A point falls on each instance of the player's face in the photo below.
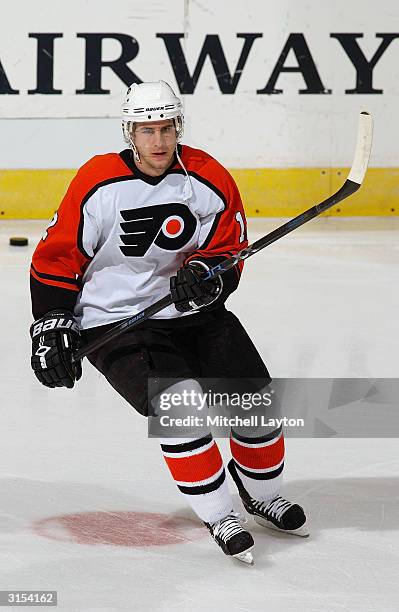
(155, 142)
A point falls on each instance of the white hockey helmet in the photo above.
(154, 101)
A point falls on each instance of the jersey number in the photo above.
(241, 223)
(51, 224)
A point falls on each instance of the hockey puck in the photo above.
(18, 241)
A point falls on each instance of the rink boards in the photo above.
(266, 192)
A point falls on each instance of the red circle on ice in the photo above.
(134, 529)
(173, 226)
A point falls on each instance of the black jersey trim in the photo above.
(46, 297)
(127, 157)
(61, 279)
(212, 231)
(201, 489)
(211, 186)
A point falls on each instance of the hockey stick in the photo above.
(352, 184)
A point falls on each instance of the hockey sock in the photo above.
(197, 468)
(259, 462)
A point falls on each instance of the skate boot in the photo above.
(277, 513)
(232, 538)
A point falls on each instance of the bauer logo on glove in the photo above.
(45, 324)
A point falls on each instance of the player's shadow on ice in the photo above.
(359, 503)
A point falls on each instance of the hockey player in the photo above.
(131, 227)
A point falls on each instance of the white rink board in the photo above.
(244, 129)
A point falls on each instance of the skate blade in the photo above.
(302, 532)
(245, 557)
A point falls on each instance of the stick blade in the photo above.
(363, 148)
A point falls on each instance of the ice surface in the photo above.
(87, 506)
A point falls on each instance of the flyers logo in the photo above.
(169, 226)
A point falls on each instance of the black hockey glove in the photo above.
(189, 291)
(55, 337)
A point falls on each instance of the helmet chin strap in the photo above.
(134, 149)
(187, 189)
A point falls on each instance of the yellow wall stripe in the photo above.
(286, 192)
(32, 194)
(266, 192)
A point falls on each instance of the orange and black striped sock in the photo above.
(259, 462)
(197, 468)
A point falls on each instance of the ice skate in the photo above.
(232, 538)
(278, 513)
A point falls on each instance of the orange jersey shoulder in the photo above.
(96, 171)
(201, 163)
(60, 258)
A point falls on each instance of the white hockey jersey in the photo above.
(119, 235)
